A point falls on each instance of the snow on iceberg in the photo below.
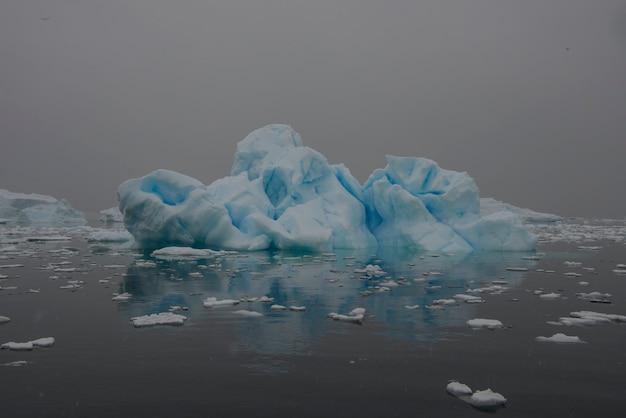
(282, 194)
(38, 210)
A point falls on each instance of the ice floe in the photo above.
(487, 399)
(357, 316)
(477, 323)
(163, 318)
(560, 338)
(213, 302)
(45, 342)
(248, 313)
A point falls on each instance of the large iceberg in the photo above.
(37, 210)
(282, 194)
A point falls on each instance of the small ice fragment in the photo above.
(18, 363)
(13, 346)
(247, 313)
(411, 307)
(163, 318)
(484, 323)
(278, 307)
(458, 389)
(122, 297)
(297, 308)
(45, 342)
(550, 296)
(444, 302)
(4, 319)
(560, 338)
(486, 399)
(212, 302)
(468, 298)
(516, 269)
(357, 316)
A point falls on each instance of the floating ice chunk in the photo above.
(411, 307)
(572, 264)
(278, 307)
(163, 318)
(45, 342)
(458, 389)
(107, 235)
(487, 399)
(184, 252)
(297, 308)
(4, 319)
(213, 302)
(619, 271)
(477, 323)
(13, 346)
(247, 313)
(599, 317)
(550, 296)
(560, 338)
(357, 316)
(18, 363)
(517, 269)
(122, 297)
(594, 296)
(468, 298)
(444, 302)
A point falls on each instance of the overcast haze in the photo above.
(528, 97)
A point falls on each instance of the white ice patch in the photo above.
(247, 313)
(213, 302)
(477, 323)
(184, 252)
(163, 318)
(560, 338)
(45, 342)
(357, 316)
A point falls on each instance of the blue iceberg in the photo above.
(284, 195)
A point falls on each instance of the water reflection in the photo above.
(322, 283)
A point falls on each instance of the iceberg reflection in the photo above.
(405, 296)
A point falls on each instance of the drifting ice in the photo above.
(283, 195)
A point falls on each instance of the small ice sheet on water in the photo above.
(560, 338)
(163, 318)
(184, 252)
(480, 399)
(45, 342)
(478, 323)
(356, 316)
(247, 313)
(213, 302)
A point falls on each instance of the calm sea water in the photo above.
(302, 363)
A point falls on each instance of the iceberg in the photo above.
(37, 210)
(284, 195)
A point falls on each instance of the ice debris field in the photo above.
(284, 195)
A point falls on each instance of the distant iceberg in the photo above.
(282, 194)
(489, 205)
(37, 210)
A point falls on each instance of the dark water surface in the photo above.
(303, 364)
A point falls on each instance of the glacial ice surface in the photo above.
(282, 194)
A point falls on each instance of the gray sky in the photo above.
(528, 97)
